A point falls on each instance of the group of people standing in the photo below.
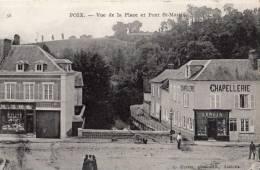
(89, 163)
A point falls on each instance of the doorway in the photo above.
(212, 128)
(29, 124)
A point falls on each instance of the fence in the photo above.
(155, 136)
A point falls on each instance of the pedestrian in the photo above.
(179, 139)
(95, 162)
(252, 150)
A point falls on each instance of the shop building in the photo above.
(210, 99)
(38, 92)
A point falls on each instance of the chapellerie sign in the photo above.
(229, 88)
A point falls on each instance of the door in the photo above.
(212, 128)
(48, 124)
(29, 124)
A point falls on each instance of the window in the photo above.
(68, 67)
(185, 99)
(244, 125)
(28, 91)
(191, 124)
(20, 67)
(39, 67)
(244, 101)
(48, 91)
(10, 90)
(215, 101)
(152, 86)
(158, 91)
(233, 124)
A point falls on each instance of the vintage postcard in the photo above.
(129, 85)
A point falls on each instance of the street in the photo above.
(123, 156)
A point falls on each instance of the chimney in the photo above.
(16, 39)
(252, 56)
(5, 47)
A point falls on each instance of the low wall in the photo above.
(156, 136)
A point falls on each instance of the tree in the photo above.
(134, 27)
(16, 39)
(73, 37)
(96, 91)
(84, 36)
(118, 62)
(120, 30)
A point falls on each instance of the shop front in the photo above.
(17, 118)
(212, 124)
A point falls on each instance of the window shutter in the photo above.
(236, 101)
(252, 101)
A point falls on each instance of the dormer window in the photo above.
(40, 66)
(69, 67)
(65, 64)
(21, 66)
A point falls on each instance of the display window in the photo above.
(13, 121)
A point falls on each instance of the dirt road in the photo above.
(124, 156)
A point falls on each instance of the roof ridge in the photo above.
(51, 58)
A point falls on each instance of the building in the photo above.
(38, 92)
(210, 99)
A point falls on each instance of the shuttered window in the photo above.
(10, 90)
(215, 101)
(28, 91)
(48, 91)
(244, 101)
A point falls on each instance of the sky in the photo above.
(33, 18)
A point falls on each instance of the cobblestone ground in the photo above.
(124, 156)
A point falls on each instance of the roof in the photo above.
(229, 70)
(177, 73)
(212, 70)
(63, 61)
(31, 54)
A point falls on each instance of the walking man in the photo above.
(252, 150)
(179, 138)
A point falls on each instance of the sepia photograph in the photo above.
(130, 85)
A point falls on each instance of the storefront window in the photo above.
(202, 127)
(13, 121)
(221, 127)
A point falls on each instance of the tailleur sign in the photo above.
(229, 88)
